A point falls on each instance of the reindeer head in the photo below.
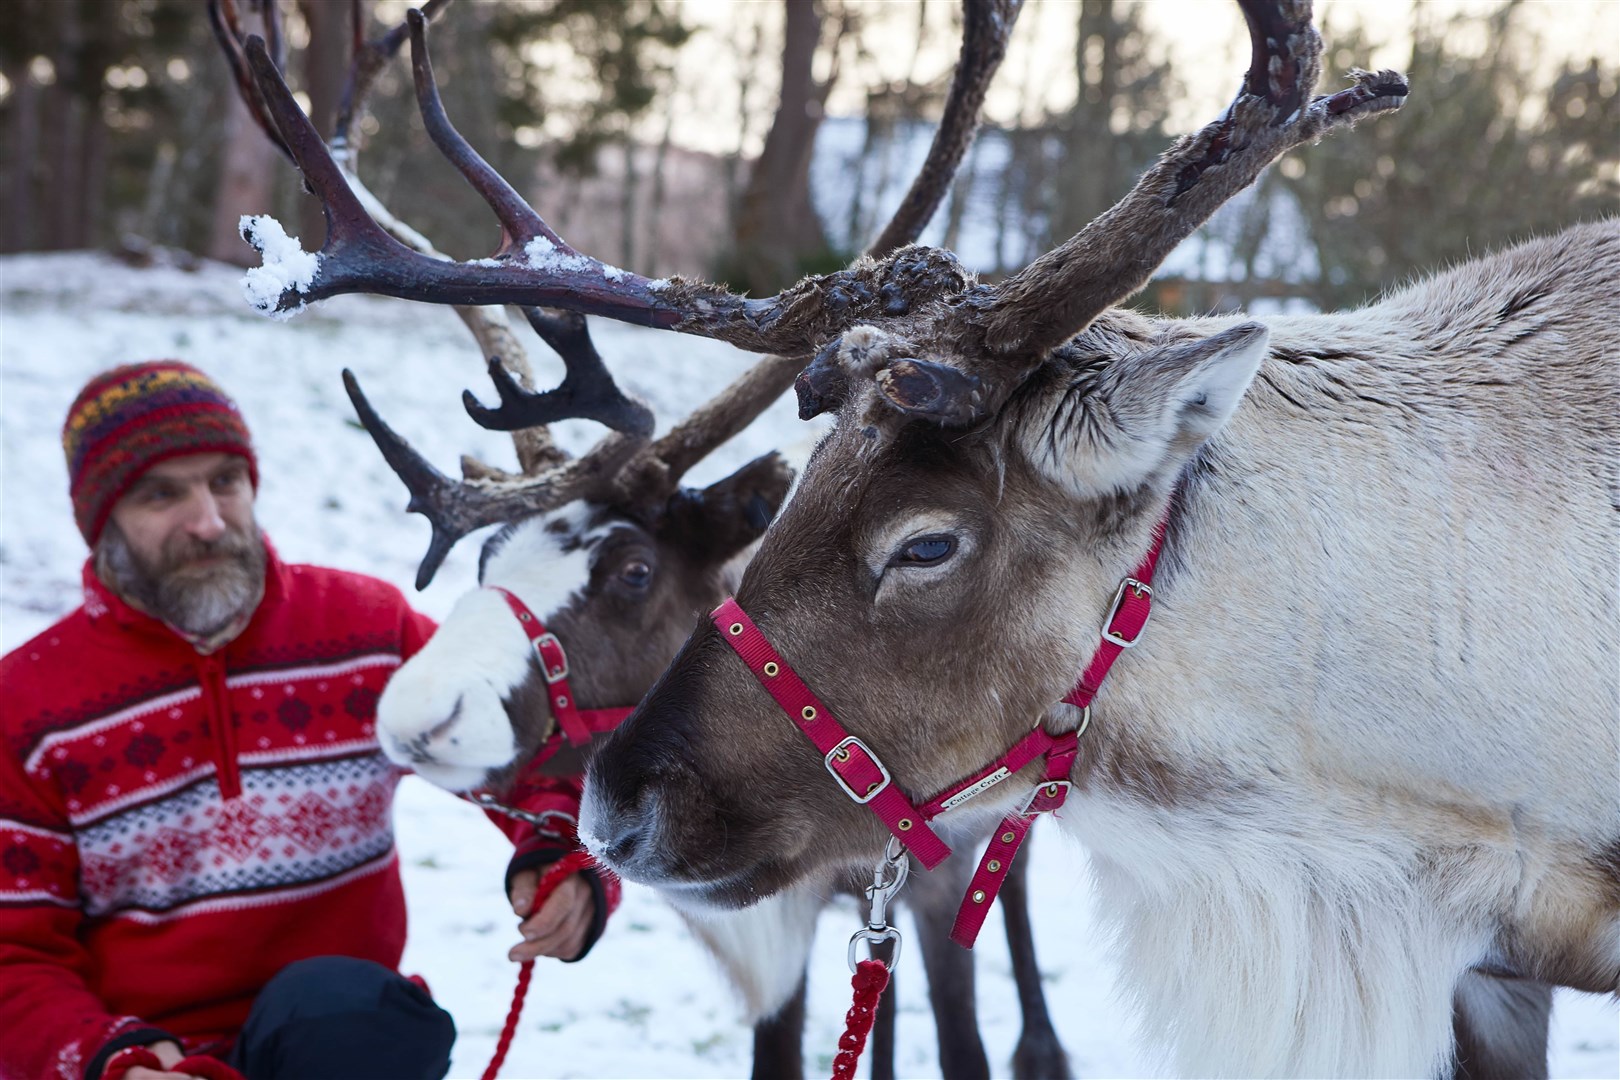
(608, 551)
(939, 588)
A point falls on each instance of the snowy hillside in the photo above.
(647, 1003)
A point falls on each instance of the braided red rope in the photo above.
(509, 1030)
(871, 977)
(553, 876)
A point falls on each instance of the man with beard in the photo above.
(197, 866)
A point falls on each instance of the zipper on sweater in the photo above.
(217, 700)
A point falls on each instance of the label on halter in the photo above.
(973, 789)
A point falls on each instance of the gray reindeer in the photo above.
(1349, 798)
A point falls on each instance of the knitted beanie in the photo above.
(130, 418)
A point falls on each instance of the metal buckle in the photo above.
(850, 740)
(1024, 811)
(545, 668)
(874, 938)
(1140, 589)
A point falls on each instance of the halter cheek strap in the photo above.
(851, 762)
(576, 725)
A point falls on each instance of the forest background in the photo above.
(753, 141)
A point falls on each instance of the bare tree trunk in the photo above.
(61, 192)
(22, 152)
(326, 62)
(627, 203)
(655, 210)
(746, 71)
(244, 185)
(92, 168)
(777, 229)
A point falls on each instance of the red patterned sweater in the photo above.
(176, 828)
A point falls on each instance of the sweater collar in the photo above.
(107, 610)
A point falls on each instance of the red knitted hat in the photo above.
(130, 418)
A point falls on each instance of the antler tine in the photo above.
(587, 391)
(369, 58)
(227, 29)
(723, 416)
(986, 27)
(516, 216)
(357, 257)
(488, 326)
(1059, 294)
(456, 508)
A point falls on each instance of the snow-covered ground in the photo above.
(647, 1002)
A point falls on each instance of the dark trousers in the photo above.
(337, 1018)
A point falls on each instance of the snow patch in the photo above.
(542, 254)
(287, 268)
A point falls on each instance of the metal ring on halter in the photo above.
(875, 937)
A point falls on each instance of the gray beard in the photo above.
(199, 601)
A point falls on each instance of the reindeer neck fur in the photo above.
(1281, 838)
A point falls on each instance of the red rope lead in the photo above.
(871, 977)
(510, 1029)
(555, 873)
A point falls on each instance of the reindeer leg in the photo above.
(1039, 1054)
(934, 897)
(779, 1041)
(883, 1034)
(1501, 1027)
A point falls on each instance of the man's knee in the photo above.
(335, 1016)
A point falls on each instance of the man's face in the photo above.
(182, 543)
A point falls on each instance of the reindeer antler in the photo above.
(990, 341)
(457, 507)
(534, 267)
(1059, 294)
(617, 470)
(992, 337)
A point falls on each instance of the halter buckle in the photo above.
(550, 674)
(1141, 589)
(841, 754)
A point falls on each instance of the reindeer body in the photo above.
(1368, 740)
(1371, 733)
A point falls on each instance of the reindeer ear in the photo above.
(1150, 412)
(1188, 391)
(728, 515)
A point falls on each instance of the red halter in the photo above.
(575, 725)
(866, 780)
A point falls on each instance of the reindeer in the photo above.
(617, 559)
(1355, 781)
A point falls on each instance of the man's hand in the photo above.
(559, 927)
(169, 1053)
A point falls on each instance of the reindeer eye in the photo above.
(636, 574)
(925, 551)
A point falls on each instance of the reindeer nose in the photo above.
(419, 748)
(621, 848)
